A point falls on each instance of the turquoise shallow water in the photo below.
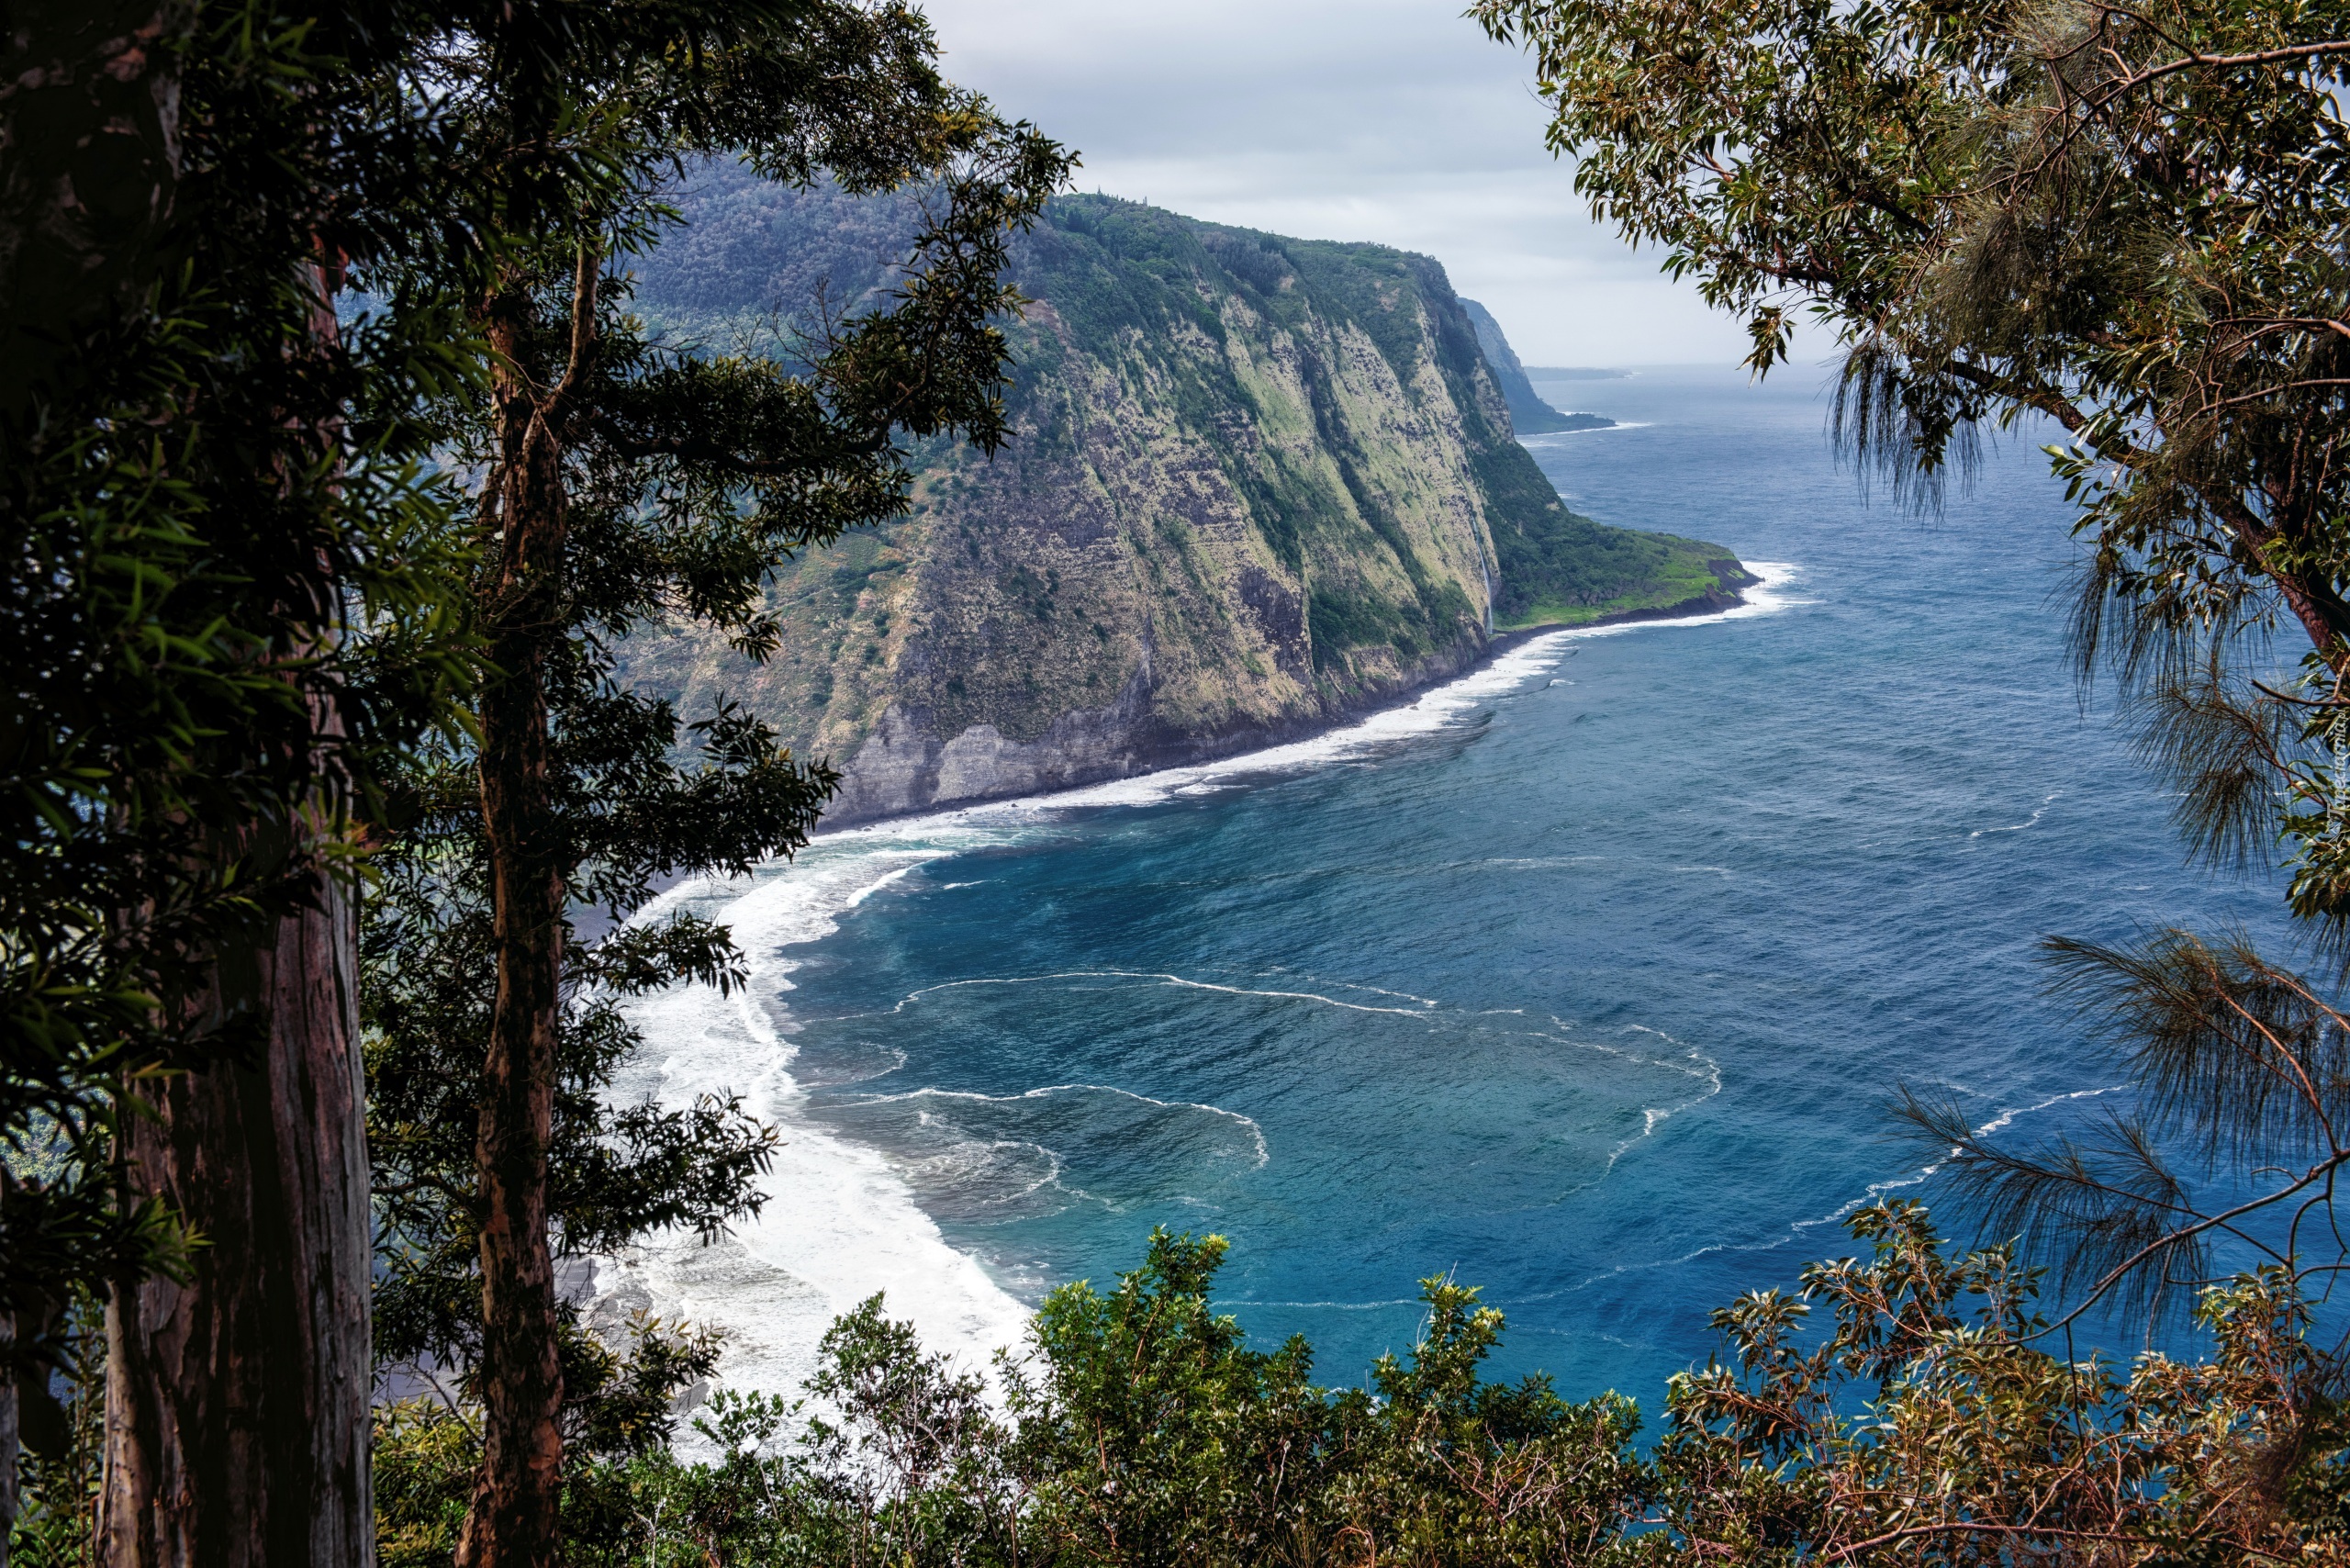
(1591, 994)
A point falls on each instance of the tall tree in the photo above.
(66, 259)
(622, 481)
(202, 478)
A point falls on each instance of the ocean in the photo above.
(1585, 979)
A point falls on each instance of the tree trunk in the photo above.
(237, 1400)
(514, 1521)
(89, 114)
(9, 1443)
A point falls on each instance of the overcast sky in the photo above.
(1393, 121)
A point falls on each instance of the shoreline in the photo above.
(1209, 753)
(847, 1221)
(1696, 608)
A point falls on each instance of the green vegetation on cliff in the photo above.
(1255, 484)
(1560, 568)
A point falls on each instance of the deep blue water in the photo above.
(1592, 997)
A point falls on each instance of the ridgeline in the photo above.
(1259, 484)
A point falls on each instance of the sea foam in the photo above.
(839, 1224)
(842, 1222)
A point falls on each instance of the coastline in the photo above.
(1236, 746)
(1697, 607)
(846, 1223)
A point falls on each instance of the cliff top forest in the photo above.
(340, 472)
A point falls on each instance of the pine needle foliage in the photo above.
(2123, 223)
(2240, 1070)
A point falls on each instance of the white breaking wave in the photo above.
(1439, 708)
(1795, 1230)
(2033, 820)
(1547, 438)
(841, 1221)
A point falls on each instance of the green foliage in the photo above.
(60, 1416)
(1342, 617)
(1984, 1446)
(1559, 567)
(2122, 220)
(208, 490)
(425, 1458)
(1931, 1422)
(1465, 1471)
(628, 481)
(1143, 292)
(1152, 1434)
(1139, 1429)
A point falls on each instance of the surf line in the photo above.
(1170, 980)
(784, 904)
(1256, 1131)
(1521, 657)
(1999, 1123)
(982, 823)
(1795, 1228)
(2032, 821)
(1694, 1063)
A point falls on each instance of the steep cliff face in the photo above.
(1527, 412)
(1259, 484)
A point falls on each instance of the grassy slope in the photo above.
(1557, 567)
(1124, 276)
(1560, 568)
(1686, 576)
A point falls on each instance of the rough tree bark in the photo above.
(237, 1420)
(514, 1519)
(237, 1401)
(8, 1430)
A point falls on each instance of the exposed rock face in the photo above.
(1257, 485)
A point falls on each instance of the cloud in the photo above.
(1393, 120)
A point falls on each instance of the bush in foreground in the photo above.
(1926, 1421)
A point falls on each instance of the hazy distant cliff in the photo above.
(1527, 412)
(1259, 484)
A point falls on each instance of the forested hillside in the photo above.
(1257, 484)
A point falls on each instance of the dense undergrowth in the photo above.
(1908, 1406)
(1903, 1406)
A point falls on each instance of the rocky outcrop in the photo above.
(1257, 485)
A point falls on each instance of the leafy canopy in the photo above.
(2122, 222)
(2124, 219)
(623, 481)
(207, 487)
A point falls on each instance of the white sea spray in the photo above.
(842, 1220)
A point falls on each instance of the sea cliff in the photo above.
(1257, 485)
(1527, 412)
